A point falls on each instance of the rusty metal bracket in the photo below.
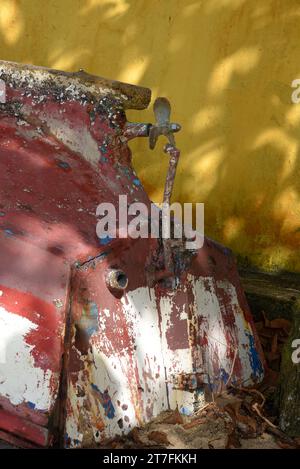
(189, 381)
(163, 126)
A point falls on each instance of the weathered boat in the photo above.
(98, 336)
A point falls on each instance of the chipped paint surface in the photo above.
(136, 369)
(225, 333)
(20, 379)
(79, 361)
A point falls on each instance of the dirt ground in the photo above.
(209, 434)
(236, 419)
(206, 433)
(228, 423)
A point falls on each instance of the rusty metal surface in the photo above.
(81, 359)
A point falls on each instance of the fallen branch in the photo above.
(252, 391)
(282, 436)
(257, 410)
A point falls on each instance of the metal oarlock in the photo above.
(163, 126)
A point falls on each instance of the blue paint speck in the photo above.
(136, 182)
(9, 233)
(185, 411)
(106, 240)
(223, 375)
(255, 362)
(63, 164)
(93, 310)
(105, 401)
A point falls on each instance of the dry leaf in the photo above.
(233, 440)
(159, 437)
(135, 435)
(280, 323)
(194, 423)
(249, 421)
(174, 418)
(234, 412)
(285, 445)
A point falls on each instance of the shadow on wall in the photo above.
(227, 67)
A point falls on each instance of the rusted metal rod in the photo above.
(174, 153)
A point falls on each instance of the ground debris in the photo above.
(174, 417)
(273, 334)
(231, 421)
(159, 437)
(239, 417)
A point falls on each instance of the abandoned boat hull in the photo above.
(78, 362)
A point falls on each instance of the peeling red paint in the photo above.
(46, 339)
(114, 356)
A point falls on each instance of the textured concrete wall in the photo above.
(227, 67)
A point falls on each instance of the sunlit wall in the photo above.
(227, 67)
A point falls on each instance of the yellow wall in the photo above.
(227, 67)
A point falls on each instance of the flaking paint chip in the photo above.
(58, 303)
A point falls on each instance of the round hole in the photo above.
(116, 280)
(122, 280)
